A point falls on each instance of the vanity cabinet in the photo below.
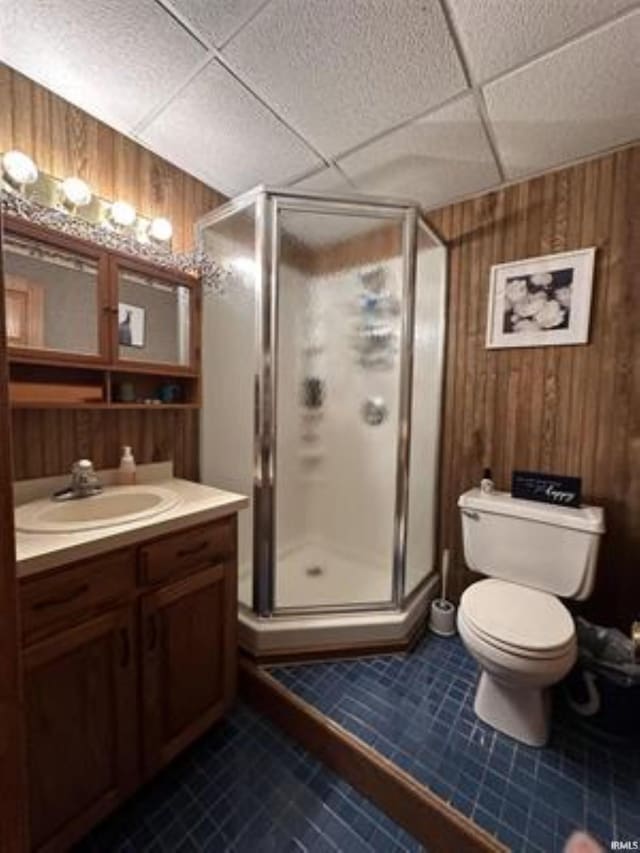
(128, 657)
(188, 674)
(91, 327)
(80, 700)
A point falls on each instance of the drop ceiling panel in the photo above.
(341, 72)
(572, 103)
(500, 34)
(432, 160)
(218, 20)
(326, 180)
(324, 229)
(219, 132)
(115, 59)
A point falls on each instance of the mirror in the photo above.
(153, 320)
(51, 298)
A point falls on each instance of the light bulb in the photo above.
(123, 213)
(19, 169)
(160, 229)
(76, 192)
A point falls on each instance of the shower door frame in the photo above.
(265, 557)
(269, 204)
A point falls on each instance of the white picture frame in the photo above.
(543, 301)
(132, 321)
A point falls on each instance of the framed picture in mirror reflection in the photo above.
(131, 325)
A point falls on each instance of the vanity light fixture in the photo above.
(19, 169)
(122, 213)
(160, 229)
(72, 206)
(75, 193)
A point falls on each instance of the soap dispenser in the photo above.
(127, 470)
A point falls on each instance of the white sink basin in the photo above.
(116, 505)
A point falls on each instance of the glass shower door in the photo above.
(338, 327)
(229, 319)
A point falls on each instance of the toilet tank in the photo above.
(540, 545)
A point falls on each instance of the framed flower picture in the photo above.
(543, 301)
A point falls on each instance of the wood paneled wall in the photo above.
(64, 140)
(47, 441)
(570, 409)
(574, 410)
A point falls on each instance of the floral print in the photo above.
(539, 302)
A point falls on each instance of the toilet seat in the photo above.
(518, 620)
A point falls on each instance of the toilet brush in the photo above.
(442, 620)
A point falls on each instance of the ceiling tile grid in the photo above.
(325, 180)
(581, 99)
(218, 131)
(214, 22)
(432, 99)
(498, 35)
(439, 157)
(112, 58)
(343, 71)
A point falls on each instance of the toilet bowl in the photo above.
(524, 641)
(513, 622)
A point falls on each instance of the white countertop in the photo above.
(37, 552)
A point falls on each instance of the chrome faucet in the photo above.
(84, 482)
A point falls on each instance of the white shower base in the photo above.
(341, 580)
(315, 575)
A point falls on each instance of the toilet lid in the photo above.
(517, 616)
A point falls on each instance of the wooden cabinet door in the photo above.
(80, 700)
(157, 316)
(189, 660)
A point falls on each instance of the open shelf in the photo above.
(44, 384)
(153, 407)
(98, 366)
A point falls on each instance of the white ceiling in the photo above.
(430, 99)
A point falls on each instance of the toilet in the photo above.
(513, 622)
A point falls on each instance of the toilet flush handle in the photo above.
(471, 514)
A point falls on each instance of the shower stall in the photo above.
(322, 372)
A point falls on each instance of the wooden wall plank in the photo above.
(64, 140)
(47, 443)
(570, 409)
(573, 410)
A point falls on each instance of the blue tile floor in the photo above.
(245, 786)
(417, 710)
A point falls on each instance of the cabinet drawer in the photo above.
(68, 595)
(182, 553)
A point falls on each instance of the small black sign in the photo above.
(547, 488)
